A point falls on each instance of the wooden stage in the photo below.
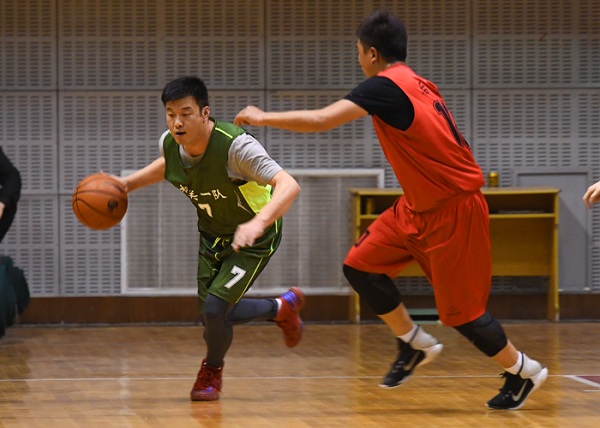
(140, 376)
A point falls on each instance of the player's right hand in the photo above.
(592, 195)
(251, 115)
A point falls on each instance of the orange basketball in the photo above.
(99, 201)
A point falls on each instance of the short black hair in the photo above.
(187, 86)
(386, 33)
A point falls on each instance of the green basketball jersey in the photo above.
(220, 203)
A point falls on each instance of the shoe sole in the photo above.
(430, 355)
(537, 380)
(212, 398)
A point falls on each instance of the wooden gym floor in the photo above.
(140, 376)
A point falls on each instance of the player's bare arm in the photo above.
(150, 174)
(592, 195)
(336, 114)
(285, 190)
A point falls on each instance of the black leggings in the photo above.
(220, 317)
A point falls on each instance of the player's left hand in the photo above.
(249, 116)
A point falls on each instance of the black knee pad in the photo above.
(485, 333)
(377, 290)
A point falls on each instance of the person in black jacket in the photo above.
(10, 192)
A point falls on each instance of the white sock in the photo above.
(524, 367)
(278, 300)
(407, 337)
(418, 338)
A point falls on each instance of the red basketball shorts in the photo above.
(451, 244)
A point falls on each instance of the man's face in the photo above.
(186, 120)
(367, 60)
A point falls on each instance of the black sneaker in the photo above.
(408, 360)
(516, 390)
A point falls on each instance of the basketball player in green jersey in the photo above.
(240, 195)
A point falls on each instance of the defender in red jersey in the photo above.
(441, 222)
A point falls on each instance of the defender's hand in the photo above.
(249, 116)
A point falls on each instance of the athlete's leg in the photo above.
(398, 320)
(240, 270)
(415, 346)
(380, 293)
(508, 356)
(461, 264)
(223, 278)
(523, 375)
(382, 249)
(220, 317)
(247, 310)
(487, 335)
(232, 276)
(218, 330)
(456, 239)
(379, 254)
(218, 334)
(236, 274)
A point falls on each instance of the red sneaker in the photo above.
(208, 383)
(288, 318)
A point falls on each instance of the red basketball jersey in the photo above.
(431, 159)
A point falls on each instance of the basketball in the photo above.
(99, 201)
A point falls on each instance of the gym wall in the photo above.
(80, 85)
